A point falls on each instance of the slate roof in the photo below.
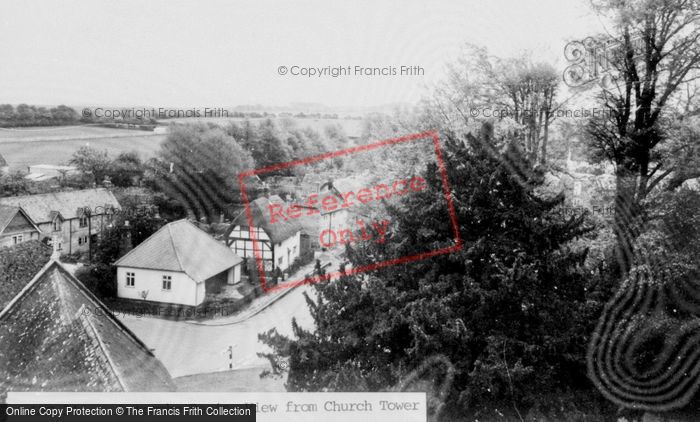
(279, 230)
(56, 335)
(181, 246)
(18, 265)
(7, 213)
(40, 207)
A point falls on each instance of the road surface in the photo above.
(187, 349)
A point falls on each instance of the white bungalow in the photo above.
(178, 264)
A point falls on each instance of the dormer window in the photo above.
(83, 221)
(57, 224)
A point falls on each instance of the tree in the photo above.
(13, 184)
(516, 94)
(270, 149)
(200, 168)
(635, 355)
(658, 54)
(100, 279)
(90, 161)
(7, 114)
(271, 142)
(62, 115)
(126, 169)
(530, 90)
(115, 241)
(119, 236)
(510, 311)
(27, 115)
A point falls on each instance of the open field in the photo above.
(65, 132)
(55, 145)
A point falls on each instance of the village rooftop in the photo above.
(332, 202)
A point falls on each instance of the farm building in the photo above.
(178, 264)
(16, 226)
(278, 243)
(71, 220)
(55, 335)
(42, 172)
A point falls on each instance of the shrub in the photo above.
(101, 279)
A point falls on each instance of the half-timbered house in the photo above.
(278, 243)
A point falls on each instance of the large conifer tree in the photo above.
(511, 311)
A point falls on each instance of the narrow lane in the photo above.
(187, 349)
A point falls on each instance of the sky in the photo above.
(213, 53)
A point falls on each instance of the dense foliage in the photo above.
(29, 115)
(116, 240)
(511, 311)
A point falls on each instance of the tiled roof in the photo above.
(55, 335)
(7, 213)
(183, 247)
(279, 230)
(348, 184)
(39, 207)
(18, 265)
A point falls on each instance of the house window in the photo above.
(83, 222)
(279, 261)
(80, 241)
(57, 225)
(167, 282)
(60, 246)
(130, 279)
(17, 239)
(295, 250)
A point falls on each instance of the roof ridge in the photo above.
(205, 232)
(80, 286)
(29, 286)
(24, 213)
(110, 315)
(172, 242)
(58, 192)
(182, 236)
(96, 338)
(149, 239)
(7, 223)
